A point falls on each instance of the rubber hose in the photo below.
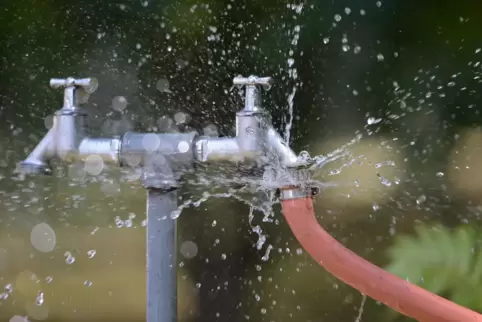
(366, 277)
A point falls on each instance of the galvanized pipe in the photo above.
(161, 256)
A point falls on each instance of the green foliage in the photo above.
(443, 261)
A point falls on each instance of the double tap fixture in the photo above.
(163, 158)
(256, 142)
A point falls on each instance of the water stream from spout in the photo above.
(292, 70)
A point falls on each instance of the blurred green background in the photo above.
(403, 75)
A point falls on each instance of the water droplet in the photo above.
(69, 259)
(162, 85)
(380, 57)
(375, 206)
(372, 120)
(357, 49)
(477, 50)
(326, 40)
(175, 214)
(94, 164)
(223, 256)
(39, 300)
(421, 199)
(180, 63)
(337, 17)
(198, 285)
(119, 222)
(440, 174)
(49, 121)
(43, 238)
(379, 4)
(345, 47)
(183, 147)
(211, 130)
(299, 251)
(188, 249)
(347, 10)
(385, 181)
(182, 118)
(49, 279)
(151, 142)
(362, 12)
(266, 255)
(263, 311)
(88, 283)
(91, 253)
(119, 103)
(128, 223)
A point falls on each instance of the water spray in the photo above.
(165, 157)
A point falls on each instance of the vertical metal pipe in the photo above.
(252, 99)
(161, 256)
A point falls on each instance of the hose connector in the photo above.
(294, 192)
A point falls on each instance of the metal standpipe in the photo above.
(163, 158)
(162, 186)
(161, 256)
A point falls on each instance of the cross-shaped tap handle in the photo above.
(89, 85)
(266, 82)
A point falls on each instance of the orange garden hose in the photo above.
(369, 279)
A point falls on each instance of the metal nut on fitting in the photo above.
(292, 192)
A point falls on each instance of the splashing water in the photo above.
(257, 230)
(69, 258)
(292, 72)
(39, 300)
(341, 152)
(361, 308)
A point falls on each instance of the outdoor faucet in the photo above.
(67, 139)
(256, 140)
(164, 158)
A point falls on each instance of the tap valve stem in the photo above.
(88, 85)
(253, 96)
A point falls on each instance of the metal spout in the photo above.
(37, 160)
